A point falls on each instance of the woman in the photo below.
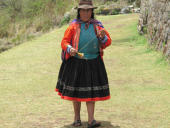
(82, 76)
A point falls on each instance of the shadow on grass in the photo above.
(104, 124)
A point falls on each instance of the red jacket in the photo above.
(72, 34)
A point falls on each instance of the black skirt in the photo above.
(83, 80)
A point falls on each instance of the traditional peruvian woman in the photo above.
(82, 76)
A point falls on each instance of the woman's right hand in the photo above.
(73, 51)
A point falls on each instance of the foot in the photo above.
(94, 124)
(77, 123)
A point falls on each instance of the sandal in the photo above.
(77, 123)
(94, 124)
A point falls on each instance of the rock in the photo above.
(125, 10)
(136, 10)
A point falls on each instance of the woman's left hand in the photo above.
(102, 34)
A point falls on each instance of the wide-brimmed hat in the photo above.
(85, 4)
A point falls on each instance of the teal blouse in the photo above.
(88, 42)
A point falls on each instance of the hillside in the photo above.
(22, 20)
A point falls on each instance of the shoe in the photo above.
(94, 124)
(77, 123)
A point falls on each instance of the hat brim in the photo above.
(85, 7)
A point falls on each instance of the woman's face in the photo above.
(85, 14)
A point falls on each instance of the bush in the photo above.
(65, 19)
(4, 25)
(107, 11)
(115, 11)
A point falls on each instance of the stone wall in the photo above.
(155, 21)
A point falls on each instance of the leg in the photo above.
(77, 107)
(92, 123)
(90, 110)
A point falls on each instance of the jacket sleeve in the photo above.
(67, 38)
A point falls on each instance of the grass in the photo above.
(138, 77)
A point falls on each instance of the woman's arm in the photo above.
(66, 41)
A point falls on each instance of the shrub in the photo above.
(115, 11)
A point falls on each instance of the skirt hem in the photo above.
(82, 99)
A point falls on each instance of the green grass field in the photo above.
(139, 82)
